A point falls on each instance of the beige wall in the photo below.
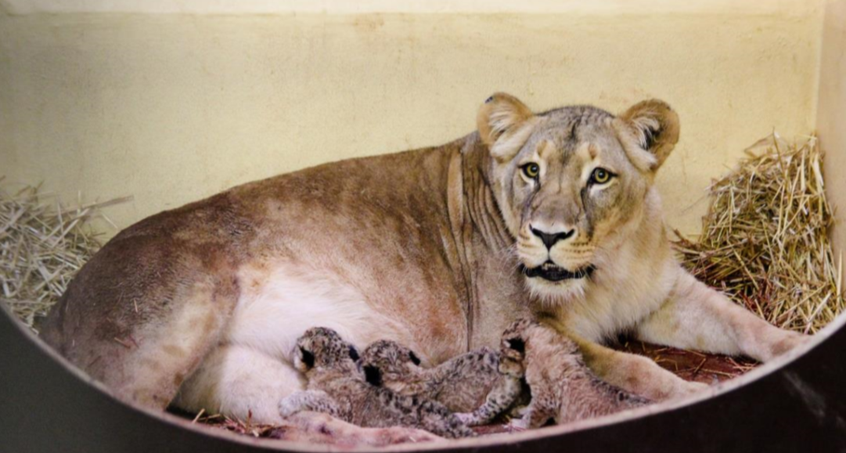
(171, 108)
(832, 111)
(613, 7)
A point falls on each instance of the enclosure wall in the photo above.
(831, 119)
(171, 108)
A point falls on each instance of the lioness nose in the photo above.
(549, 239)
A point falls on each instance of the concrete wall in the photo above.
(171, 108)
(832, 112)
(612, 7)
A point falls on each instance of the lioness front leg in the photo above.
(635, 374)
(698, 317)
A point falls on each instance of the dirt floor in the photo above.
(689, 365)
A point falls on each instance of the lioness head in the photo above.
(572, 182)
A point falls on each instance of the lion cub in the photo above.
(471, 384)
(563, 388)
(337, 387)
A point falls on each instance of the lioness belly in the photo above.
(279, 303)
(249, 372)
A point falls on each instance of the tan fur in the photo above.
(421, 247)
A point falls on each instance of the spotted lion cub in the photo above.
(337, 387)
(563, 388)
(470, 384)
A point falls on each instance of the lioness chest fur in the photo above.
(438, 249)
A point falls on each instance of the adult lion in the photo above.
(438, 249)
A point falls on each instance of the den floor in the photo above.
(689, 365)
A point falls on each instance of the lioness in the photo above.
(438, 249)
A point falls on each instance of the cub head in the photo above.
(322, 348)
(572, 182)
(386, 362)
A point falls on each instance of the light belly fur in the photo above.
(277, 305)
(250, 370)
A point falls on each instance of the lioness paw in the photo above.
(790, 342)
(693, 388)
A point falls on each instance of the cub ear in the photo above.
(500, 116)
(653, 126)
(517, 344)
(307, 358)
(354, 353)
(373, 375)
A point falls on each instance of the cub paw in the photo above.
(518, 411)
(289, 406)
(466, 418)
(518, 424)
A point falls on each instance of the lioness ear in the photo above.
(500, 116)
(654, 128)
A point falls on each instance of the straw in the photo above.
(765, 239)
(42, 246)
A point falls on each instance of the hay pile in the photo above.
(42, 246)
(765, 238)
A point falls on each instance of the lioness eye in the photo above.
(600, 176)
(532, 170)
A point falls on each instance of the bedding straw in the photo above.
(765, 240)
(42, 246)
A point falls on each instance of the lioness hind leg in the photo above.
(140, 316)
(698, 317)
(241, 383)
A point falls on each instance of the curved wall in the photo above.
(171, 108)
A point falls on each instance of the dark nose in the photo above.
(549, 239)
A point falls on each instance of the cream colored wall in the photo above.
(832, 112)
(613, 7)
(171, 108)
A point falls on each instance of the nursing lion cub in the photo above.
(552, 214)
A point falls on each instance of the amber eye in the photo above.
(600, 176)
(532, 170)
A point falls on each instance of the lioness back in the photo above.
(349, 238)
